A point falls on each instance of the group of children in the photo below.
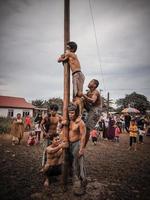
(19, 126)
(135, 130)
(95, 134)
(34, 135)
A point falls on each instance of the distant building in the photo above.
(10, 106)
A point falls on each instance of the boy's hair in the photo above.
(54, 107)
(96, 82)
(55, 136)
(72, 45)
(73, 107)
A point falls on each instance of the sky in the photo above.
(113, 38)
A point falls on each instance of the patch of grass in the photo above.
(5, 125)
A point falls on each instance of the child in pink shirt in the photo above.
(117, 132)
(94, 136)
(31, 138)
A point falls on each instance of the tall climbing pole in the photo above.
(66, 88)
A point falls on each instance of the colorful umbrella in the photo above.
(130, 110)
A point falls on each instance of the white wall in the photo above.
(4, 111)
(16, 111)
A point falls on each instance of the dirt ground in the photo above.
(113, 172)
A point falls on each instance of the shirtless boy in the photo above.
(77, 75)
(54, 159)
(77, 136)
(92, 102)
(49, 128)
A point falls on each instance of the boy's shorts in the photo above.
(54, 170)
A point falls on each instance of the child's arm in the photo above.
(66, 56)
(62, 58)
(90, 100)
(59, 152)
(54, 149)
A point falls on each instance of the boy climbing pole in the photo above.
(77, 76)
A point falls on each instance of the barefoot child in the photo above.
(92, 102)
(77, 75)
(54, 159)
(31, 138)
(94, 136)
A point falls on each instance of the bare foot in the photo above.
(46, 183)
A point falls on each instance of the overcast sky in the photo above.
(31, 39)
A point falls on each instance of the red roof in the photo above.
(14, 102)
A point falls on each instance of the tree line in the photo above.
(134, 99)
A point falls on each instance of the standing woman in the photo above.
(17, 130)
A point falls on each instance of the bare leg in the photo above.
(46, 183)
(135, 147)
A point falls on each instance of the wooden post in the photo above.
(66, 89)
(107, 103)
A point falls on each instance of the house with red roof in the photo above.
(10, 106)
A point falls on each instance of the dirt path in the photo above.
(113, 172)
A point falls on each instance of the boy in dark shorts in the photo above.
(77, 76)
(54, 159)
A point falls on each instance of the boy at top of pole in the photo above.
(73, 61)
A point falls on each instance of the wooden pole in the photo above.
(107, 103)
(66, 90)
(66, 65)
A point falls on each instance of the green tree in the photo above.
(57, 101)
(38, 103)
(135, 100)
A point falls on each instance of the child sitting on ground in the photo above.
(94, 136)
(31, 138)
